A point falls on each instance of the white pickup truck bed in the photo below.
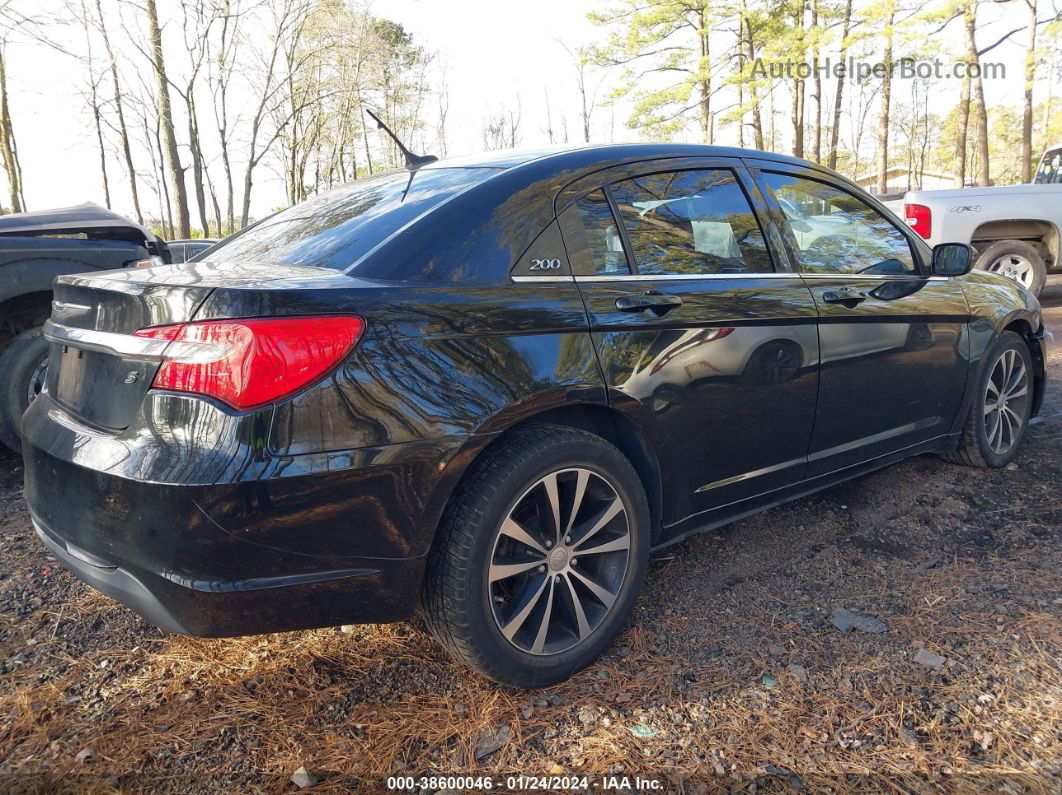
(1015, 228)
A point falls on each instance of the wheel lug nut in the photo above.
(541, 569)
(549, 544)
(568, 540)
(574, 561)
(558, 578)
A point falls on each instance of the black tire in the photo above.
(990, 259)
(974, 448)
(19, 367)
(459, 605)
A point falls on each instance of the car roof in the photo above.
(477, 234)
(620, 152)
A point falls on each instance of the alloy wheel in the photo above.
(559, 561)
(1014, 267)
(1006, 398)
(36, 382)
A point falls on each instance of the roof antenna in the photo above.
(413, 162)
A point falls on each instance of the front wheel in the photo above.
(542, 553)
(999, 415)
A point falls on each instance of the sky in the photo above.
(496, 53)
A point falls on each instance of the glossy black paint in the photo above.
(322, 508)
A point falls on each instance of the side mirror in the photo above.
(952, 259)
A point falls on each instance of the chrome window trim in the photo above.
(547, 279)
(691, 277)
(109, 342)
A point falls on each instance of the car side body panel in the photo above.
(321, 508)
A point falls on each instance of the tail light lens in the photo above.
(919, 218)
(254, 361)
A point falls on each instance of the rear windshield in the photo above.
(334, 229)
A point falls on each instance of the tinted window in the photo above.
(600, 249)
(335, 228)
(177, 254)
(693, 222)
(836, 232)
(1050, 171)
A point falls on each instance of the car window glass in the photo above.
(1050, 172)
(176, 253)
(335, 228)
(601, 237)
(836, 232)
(695, 222)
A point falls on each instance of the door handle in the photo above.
(844, 295)
(655, 302)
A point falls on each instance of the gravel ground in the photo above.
(731, 676)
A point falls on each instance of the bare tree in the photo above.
(1027, 100)
(93, 81)
(886, 100)
(221, 67)
(197, 23)
(835, 129)
(581, 61)
(165, 116)
(119, 109)
(501, 130)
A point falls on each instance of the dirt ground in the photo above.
(730, 677)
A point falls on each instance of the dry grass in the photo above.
(355, 706)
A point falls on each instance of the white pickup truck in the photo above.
(1015, 228)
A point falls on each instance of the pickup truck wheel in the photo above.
(999, 415)
(542, 552)
(1015, 260)
(22, 366)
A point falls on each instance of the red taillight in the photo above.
(919, 218)
(251, 362)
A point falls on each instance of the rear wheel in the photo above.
(22, 366)
(999, 416)
(1016, 260)
(541, 555)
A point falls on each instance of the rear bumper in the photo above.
(267, 544)
(265, 605)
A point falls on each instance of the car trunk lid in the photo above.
(98, 369)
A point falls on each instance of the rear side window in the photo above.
(695, 222)
(602, 237)
(334, 229)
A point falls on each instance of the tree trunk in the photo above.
(886, 101)
(750, 54)
(99, 141)
(197, 163)
(1027, 108)
(705, 83)
(123, 131)
(798, 89)
(980, 112)
(165, 110)
(7, 141)
(835, 130)
(962, 131)
(816, 143)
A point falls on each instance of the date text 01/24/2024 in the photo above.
(524, 782)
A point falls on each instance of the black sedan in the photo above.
(490, 387)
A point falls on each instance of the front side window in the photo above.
(836, 232)
(695, 222)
